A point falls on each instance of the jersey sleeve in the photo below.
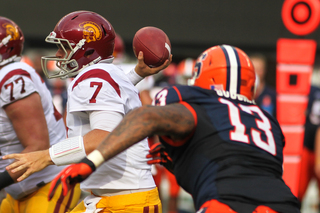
(95, 94)
(15, 87)
(167, 96)
(173, 95)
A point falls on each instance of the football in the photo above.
(154, 43)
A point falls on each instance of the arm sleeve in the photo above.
(134, 77)
(105, 120)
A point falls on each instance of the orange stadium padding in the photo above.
(296, 51)
(291, 109)
(301, 17)
(294, 139)
(291, 171)
(293, 79)
(295, 59)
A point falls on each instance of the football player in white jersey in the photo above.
(98, 98)
(28, 122)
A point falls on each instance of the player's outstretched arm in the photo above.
(173, 120)
(31, 162)
(317, 153)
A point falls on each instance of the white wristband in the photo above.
(96, 157)
(134, 77)
(68, 151)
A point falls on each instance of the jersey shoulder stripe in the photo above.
(98, 73)
(13, 73)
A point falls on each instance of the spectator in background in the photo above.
(58, 89)
(184, 70)
(310, 159)
(29, 122)
(59, 94)
(36, 59)
(265, 96)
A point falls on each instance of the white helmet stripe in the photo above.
(233, 69)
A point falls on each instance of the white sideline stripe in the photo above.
(294, 68)
(291, 159)
(293, 98)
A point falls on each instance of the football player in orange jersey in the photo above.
(225, 150)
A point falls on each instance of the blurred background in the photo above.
(192, 27)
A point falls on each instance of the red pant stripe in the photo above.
(146, 209)
(156, 209)
(58, 205)
(69, 200)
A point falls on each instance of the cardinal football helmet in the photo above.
(89, 36)
(11, 41)
(225, 68)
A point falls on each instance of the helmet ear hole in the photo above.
(74, 17)
(88, 53)
(104, 30)
(9, 50)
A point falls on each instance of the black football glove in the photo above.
(159, 155)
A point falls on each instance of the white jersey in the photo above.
(104, 86)
(17, 81)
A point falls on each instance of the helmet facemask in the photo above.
(85, 38)
(68, 67)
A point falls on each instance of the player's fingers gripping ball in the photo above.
(155, 45)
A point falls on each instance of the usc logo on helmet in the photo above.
(11, 30)
(91, 31)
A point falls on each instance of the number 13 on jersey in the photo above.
(239, 132)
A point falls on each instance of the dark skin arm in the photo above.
(32, 162)
(173, 120)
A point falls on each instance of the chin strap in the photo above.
(14, 58)
(79, 45)
(5, 41)
(72, 74)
